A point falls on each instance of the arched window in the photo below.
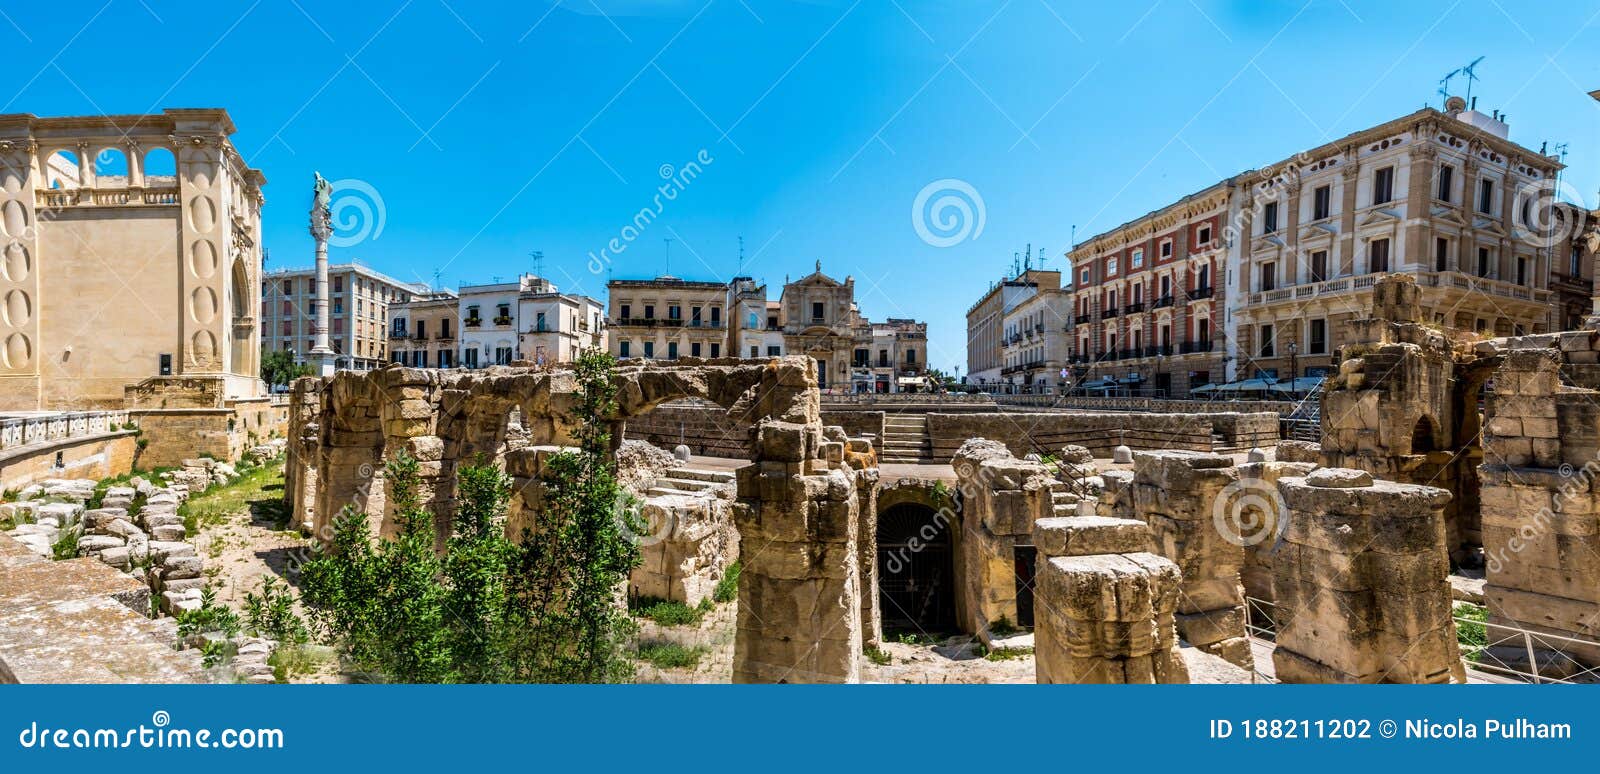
(1422, 436)
(110, 167)
(61, 170)
(160, 168)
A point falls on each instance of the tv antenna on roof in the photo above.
(436, 273)
(538, 262)
(668, 241)
(1469, 71)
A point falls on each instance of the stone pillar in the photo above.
(321, 356)
(1256, 514)
(1002, 497)
(1363, 583)
(1104, 604)
(300, 464)
(1177, 494)
(1541, 512)
(799, 520)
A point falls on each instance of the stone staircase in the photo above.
(689, 481)
(905, 439)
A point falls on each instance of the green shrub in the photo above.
(271, 614)
(666, 612)
(487, 609)
(670, 655)
(877, 656)
(1008, 654)
(728, 588)
(1471, 631)
(66, 545)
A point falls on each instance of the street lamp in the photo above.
(1294, 364)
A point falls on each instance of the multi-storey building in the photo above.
(1144, 306)
(667, 318)
(890, 356)
(753, 329)
(358, 312)
(1035, 345)
(489, 317)
(1444, 196)
(555, 326)
(423, 330)
(987, 345)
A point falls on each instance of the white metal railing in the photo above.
(1529, 645)
(1261, 624)
(29, 428)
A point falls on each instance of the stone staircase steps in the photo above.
(905, 439)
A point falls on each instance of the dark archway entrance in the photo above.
(916, 576)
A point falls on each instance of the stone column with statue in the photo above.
(321, 357)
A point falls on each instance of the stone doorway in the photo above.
(916, 573)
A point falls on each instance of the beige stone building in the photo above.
(1446, 197)
(423, 332)
(989, 351)
(132, 252)
(667, 318)
(358, 312)
(1255, 277)
(1036, 341)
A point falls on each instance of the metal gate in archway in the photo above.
(916, 577)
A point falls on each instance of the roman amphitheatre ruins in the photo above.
(1425, 539)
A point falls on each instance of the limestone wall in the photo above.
(1176, 493)
(88, 457)
(1001, 498)
(707, 429)
(1541, 509)
(1104, 610)
(1362, 583)
(1100, 432)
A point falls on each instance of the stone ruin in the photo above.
(1175, 493)
(1363, 594)
(1106, 604)
(798, 508)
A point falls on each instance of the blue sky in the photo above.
(492, 130)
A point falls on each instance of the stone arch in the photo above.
(915, 560)
(160, 167)
(242, 322)
(1425, 436)
(111, 166)
(61, 171)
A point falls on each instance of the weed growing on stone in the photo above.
(877, 655)
(668, 613)
(670, 655)
(728, 588)
(1471, 632)
(66, 545)
(1008, 654)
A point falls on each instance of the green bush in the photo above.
(666, 612)
(877, 656)
(487, 609)
(66, 545)
(670, 655)
(1471, 631)
(271, 614)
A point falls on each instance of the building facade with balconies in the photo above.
(987, 340)
(556, 326)
(667, 318)
(423, 331)
(1037, 341)
(1444, 196)
(358, 312)
(1145, 304)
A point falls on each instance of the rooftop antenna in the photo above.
(1043, 255)
(1444, 83)
(436, 273)
(1074, 238)
(538, 262)
(741, 252)
(1027, 258)
(1471, 76)
(668, 240)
